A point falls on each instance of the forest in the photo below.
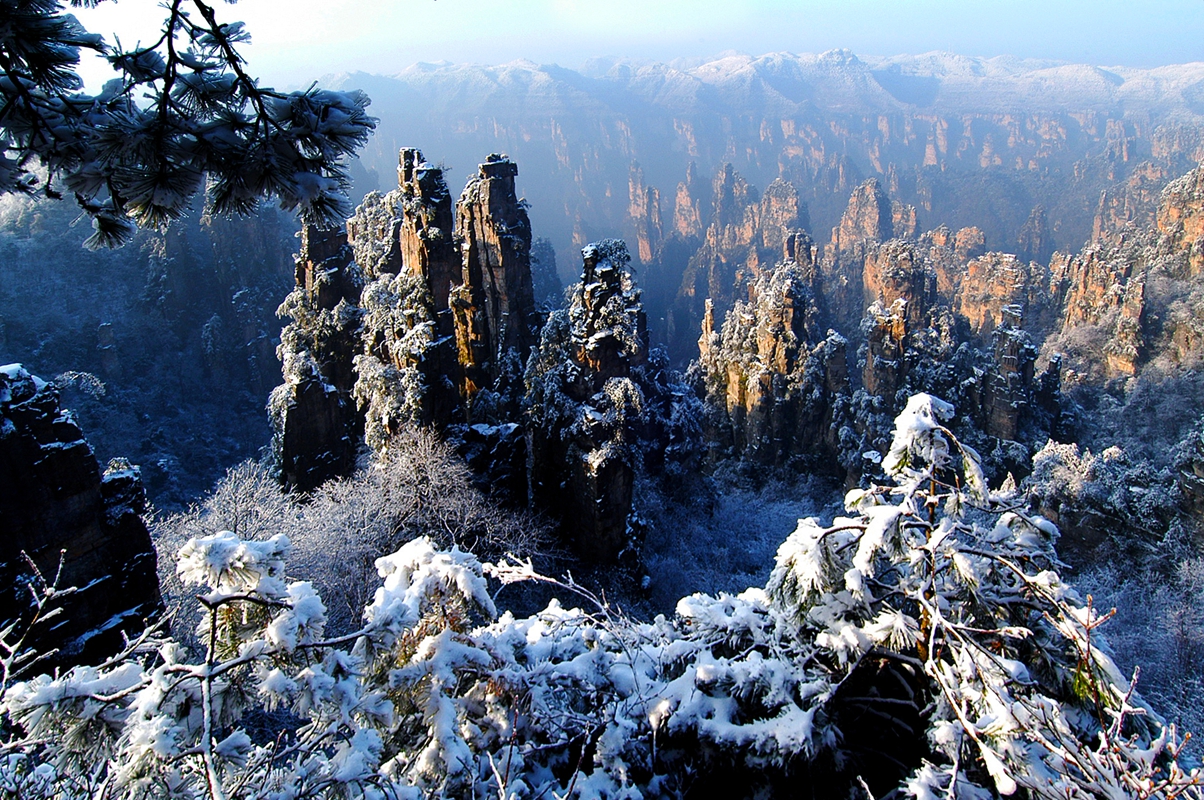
(781, 426)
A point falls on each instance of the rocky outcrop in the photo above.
(871, 216)
(904, 324)
(689, 217)
(867, 218)
(1133, 298)
(913, 341)
(645, 212)
(317, 425)
(1102, 288)
(1131, 204)
(427, 232)
(959, 139)
(405, 319)
(58, 509)
(586, 395)
(999, 285)
(1009, 388)
(779, 381)
(850, 268)
(745, 237)
(494, 304)
(407, 371)
(1180, 217)
(1035, 240)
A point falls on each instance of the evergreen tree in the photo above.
(181, 115)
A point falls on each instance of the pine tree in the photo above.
(181, 115)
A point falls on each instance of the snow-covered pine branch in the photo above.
(181, 115)
(924, 643)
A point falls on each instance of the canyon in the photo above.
(917, 232)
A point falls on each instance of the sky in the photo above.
(297, 41)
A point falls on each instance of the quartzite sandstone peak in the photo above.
(586, 395)
(745, 237)
(406, 318)
(495, 304)
(779, 378)
(313, 413)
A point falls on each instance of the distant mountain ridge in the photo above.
(605, 149)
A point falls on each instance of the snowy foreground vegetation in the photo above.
(924, 646)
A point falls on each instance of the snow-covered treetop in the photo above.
(924, 645)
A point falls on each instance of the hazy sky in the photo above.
(298, 40)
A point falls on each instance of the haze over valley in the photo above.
(421, 433)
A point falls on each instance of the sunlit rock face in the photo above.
(851, 262)
(57, 504)
(779, 378)
(1180, 217)
(494, 305)
(406, 318)
(966, 141)
(744, 236)
(995, 285)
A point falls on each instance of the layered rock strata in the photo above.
(71, 520)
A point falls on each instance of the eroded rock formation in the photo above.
(645, 212)
(494, 304)
(56, 503)
(904, 324)
(586, 395)
(1180, 217)
(849, 271)
(745, 236)
(779, 378)
(314, 415)
(998, 285)
(408, 318)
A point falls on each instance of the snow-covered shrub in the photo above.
(1158, 625)
(1106, 503)
(924, 644)
(420, 487)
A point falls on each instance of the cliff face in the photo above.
(1035, 240)
(940, 132)
(996, 285)
(1132, 203)
(850, 268)
(494, 306)
(405, 319)
(313, 413)
(1180, 217)
(903, 324)
(56, 500)
(745, 237)
(1131, 299)
(868, 217)
(407, 371)
(645, 213)
(780, 380)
